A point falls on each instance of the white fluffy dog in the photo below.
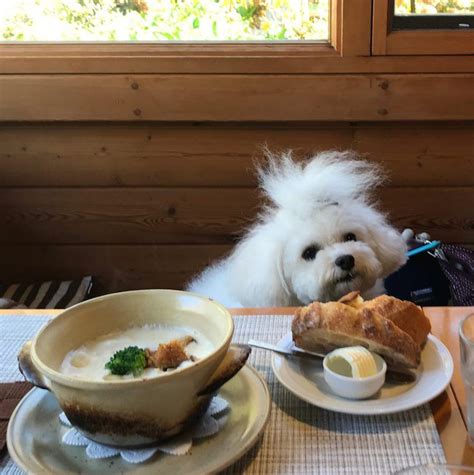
(319, 238)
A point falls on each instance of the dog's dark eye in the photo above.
(350, 237)
(309, 253)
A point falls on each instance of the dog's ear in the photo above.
(389, 246)
(253, 275)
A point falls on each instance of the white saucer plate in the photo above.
(34, 436)
(304, 378)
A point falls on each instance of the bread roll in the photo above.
(337, 324)
(406, 315)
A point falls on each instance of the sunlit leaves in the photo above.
(148, 20)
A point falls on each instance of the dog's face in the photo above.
(346, 247)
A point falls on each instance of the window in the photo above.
(280, 36)
(164, 20)
(423, 27)
(433, 14)
(359, 69)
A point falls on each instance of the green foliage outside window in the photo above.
(175, 20)
(433, 7)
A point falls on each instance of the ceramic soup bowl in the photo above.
(135, 412)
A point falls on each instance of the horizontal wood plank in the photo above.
(430, 42)
(195, 215)
(236, 97)
(148, 154)
(304, 58)
(85, 155)
(115, 268)
(117, 215)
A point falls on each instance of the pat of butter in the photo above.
(353, 361)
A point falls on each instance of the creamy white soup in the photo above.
(88, 361)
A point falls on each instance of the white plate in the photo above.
(304, 378)
(34, 436)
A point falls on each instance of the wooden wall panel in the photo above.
(224, 98)
(148, 154)
(421, 155)
(115, 268)
(294, 61)
(195, 215)
(149, 204)
(126, 215)
(85, 155)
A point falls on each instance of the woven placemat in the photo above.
(14, 332)
(304, 439)
(299, 438)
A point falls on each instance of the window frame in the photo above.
(244, 82)
(349, 37)
(387, 42)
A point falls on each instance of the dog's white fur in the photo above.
(314, 203)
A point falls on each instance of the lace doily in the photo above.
(209, 424)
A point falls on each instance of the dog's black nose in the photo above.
(345, 262)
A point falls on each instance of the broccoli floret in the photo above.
(129, 360)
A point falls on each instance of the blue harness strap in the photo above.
(425, 247)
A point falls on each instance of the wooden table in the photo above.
(449, 409)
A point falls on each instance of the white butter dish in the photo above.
(355, 388)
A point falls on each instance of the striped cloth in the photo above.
(50, 294)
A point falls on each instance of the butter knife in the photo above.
(392, 376)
